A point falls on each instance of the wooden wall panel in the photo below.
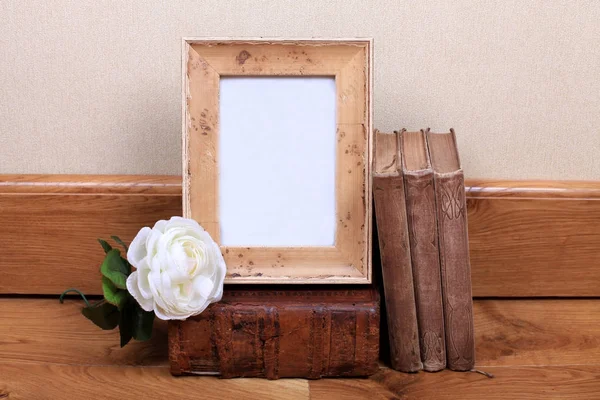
(527, 238)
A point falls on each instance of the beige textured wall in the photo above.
(94, 86)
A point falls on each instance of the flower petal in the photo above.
(160, 225)
(219, 274)
(144, 283)
(217, 295)
(133, 289)
(154, 282)
(184, 222)
(160, 314)
(152, 242)
(203, 286)
(166, 315)
(137, 249)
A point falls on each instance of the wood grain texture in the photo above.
(204, 62)
(507, 333)
(151, 185)
(256, 57)
(50, 225)
(31, 382)
(201, 144)
(546, 348)
(524, 383)
(537, 332)
(534, 238)
(353, 202)
(45, 331)
(478, 188)
(526, 238)
(534, 246)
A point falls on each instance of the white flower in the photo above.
(180, 269)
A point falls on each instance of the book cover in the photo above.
(454, 250)
(394, 248)
(423, 237)
(291, 333)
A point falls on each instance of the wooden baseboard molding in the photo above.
(527, 238)
(50, 224)
(531, 238)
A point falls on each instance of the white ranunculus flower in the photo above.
(180, 269)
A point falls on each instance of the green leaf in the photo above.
(107, 247)
(115, 268)
(119, 241)
(112, 294)
(142, 326)
(105, 316)
(127, 266)
(126, 322)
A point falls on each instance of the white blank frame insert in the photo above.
(277, 144)
(277, 161)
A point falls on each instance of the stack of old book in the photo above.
(421, 217)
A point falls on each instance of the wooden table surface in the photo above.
(536, 349)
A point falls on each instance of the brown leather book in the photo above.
(454, 250)
(291, 333)
(423, 237)
(394, 248)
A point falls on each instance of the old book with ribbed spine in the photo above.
(423, 236)
(394, 247)
(454, 250)
(269, 333)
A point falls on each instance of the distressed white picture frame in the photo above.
(277, 146)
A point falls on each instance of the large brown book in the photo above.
(423, 237)
(394, 248)
(291, 333)
(454, 250)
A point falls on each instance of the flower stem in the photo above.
(61, 298)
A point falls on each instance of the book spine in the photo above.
(390, 211)
(423, 236)
(277, 341)
(456, 270)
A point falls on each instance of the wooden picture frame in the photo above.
(205, 61)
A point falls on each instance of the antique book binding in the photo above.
(423, 236)
(454, 250)
(293, 333)
(390, 212)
